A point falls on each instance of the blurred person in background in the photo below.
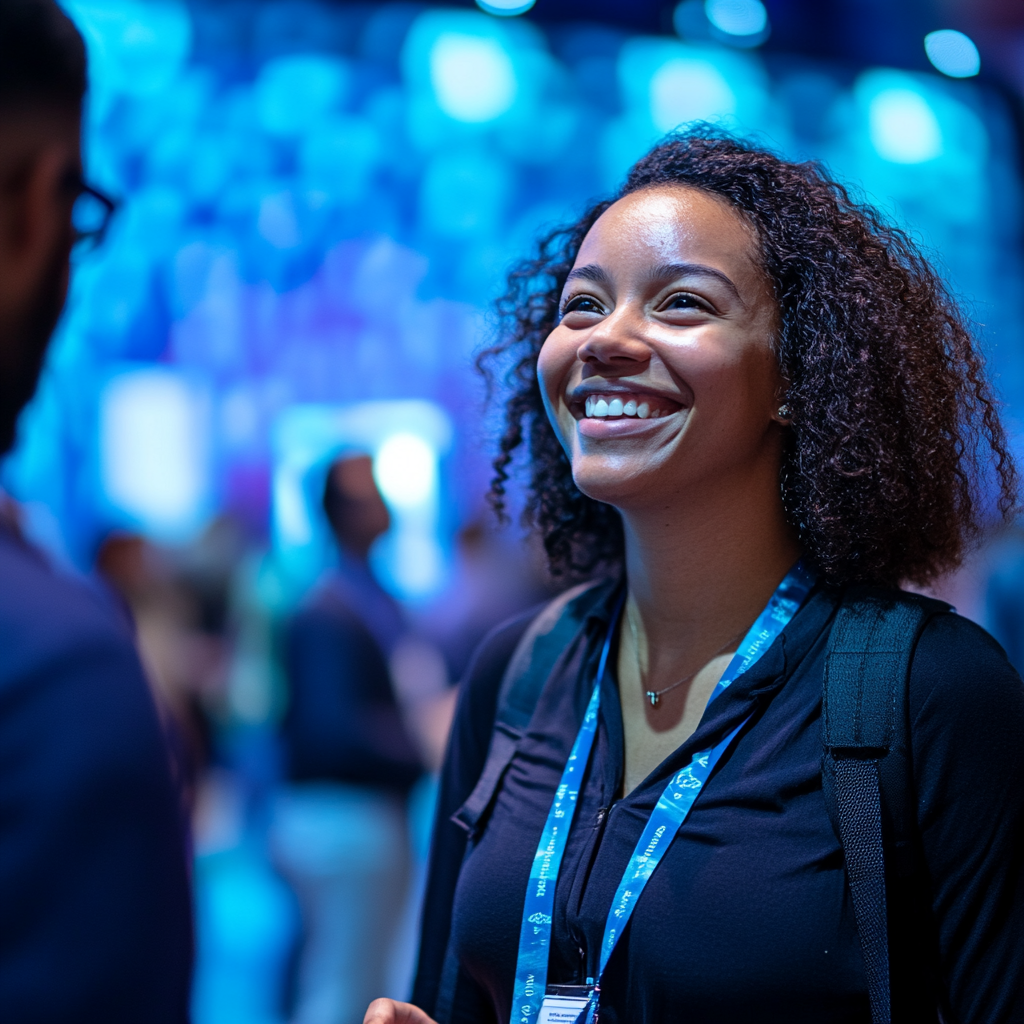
(96, 921)
(340, 829)
(495, 576)
(177, 605)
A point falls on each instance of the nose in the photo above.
(615, 345)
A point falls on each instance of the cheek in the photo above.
(554, 362)
(745, 373)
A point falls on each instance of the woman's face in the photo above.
(660, 375)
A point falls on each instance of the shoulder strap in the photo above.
(865, 757)
(540, 647)
(535, 656)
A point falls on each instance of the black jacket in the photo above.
(748, 918)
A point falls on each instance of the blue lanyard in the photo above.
(668, 815)
(535, 932)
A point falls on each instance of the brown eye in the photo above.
(583, 304)
(684, 300)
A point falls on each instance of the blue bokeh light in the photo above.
(903, 127)
(506, 8)
(952, 53)
(319, 201)
(737, 17)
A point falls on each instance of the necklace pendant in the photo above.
(653, 698)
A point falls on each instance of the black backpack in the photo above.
(866, 771)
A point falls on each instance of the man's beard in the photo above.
(23, 352)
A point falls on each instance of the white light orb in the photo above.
(405, 469)
(472, 77)
(903, 127)
(685, 89)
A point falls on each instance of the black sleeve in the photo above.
(967, 719)
(343, 721)
(464, 761)
(96, 921)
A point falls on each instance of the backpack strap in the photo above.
(535, 656)
(539, 649)
(866, 772)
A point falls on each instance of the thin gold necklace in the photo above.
(655, 695)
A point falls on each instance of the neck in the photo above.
(702, 568)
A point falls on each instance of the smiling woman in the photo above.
(751, 406)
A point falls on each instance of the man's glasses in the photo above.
(91, 213)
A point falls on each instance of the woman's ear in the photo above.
(782, 412)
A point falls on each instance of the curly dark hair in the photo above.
(895, 440)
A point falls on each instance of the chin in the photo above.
(603, 480)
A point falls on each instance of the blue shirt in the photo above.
(748, 918)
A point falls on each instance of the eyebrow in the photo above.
(597, 274)
(590, 272)
(670, 270)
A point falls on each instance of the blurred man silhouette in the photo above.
(95, 920)
(340, 830)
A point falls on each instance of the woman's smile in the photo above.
(621, 408)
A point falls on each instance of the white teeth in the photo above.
(602, 407)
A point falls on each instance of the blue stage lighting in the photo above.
(505, 8)
(319, 199)
(689, 89)
(473, 77)
(737, 17)
(295, 93)
(463, 195)
(903, 127)
(154, 451)
(952, 53)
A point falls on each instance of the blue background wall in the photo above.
(319, 201)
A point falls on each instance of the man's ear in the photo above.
(35, 222)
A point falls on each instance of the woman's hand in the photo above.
(387, 1011)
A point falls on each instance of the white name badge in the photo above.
(563, 1004)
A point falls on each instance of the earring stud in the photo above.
(785, 412)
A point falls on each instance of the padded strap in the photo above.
(865, 735)
(866, 670)
(538, 651)
(540, 647)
